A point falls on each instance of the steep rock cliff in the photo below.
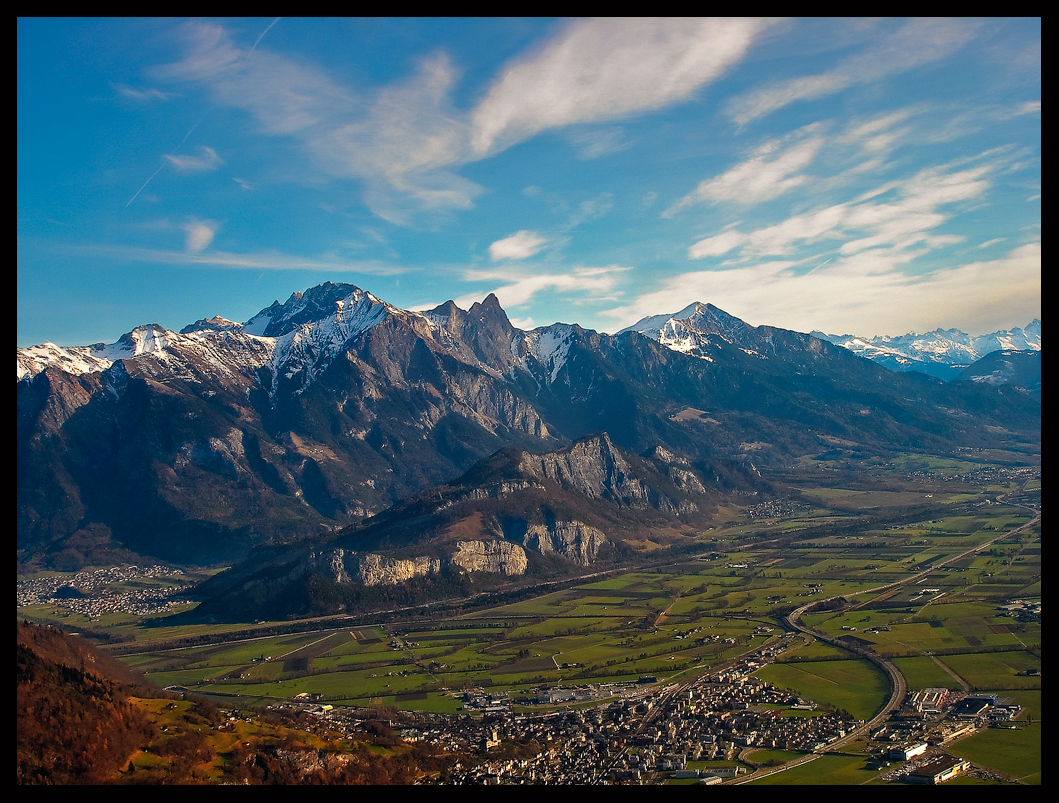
(572, 540)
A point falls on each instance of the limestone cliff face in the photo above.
(346, 567)
(571, 539)
(498, 557)
(375, 570)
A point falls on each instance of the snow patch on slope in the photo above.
(549, 346)
(313, 346)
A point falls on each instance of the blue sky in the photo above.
(854, 176)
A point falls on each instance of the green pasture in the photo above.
(849, 499)
(857, 686)
(767, 757)
(816, 650)
(188, 677)
(1029, 699)
(996, 670)
(337, 662)
(613, 583)
(333, 686)
(603, 624)
(939, 465)
(1016, 753)
(827, 770)
(922, 673)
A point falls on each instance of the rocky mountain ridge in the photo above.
(511, 513)
(331, 407)
(943, 353)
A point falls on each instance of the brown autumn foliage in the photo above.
(74, 724)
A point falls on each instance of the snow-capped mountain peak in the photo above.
(315, 304)
(942, 352)
(214, 324)
(689, 330)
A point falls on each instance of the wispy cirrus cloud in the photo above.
(270, 260)
(843, 295)
(917, 42)
(604, 69)
(400, 139)
(595, 142)
(520, 245)
(779, 166)
(770, 171)
(899, 215)
(516, 289)
(206, 160)
(141, 94)
(988, 243)
(407, 139)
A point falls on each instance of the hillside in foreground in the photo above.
(82, 717)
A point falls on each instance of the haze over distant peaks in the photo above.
(943, 353)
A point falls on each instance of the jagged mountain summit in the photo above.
(334, 405)
(944, 353)
(689, 330)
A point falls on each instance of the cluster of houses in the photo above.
(90, 593)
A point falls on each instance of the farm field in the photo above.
(668, 621)
(857, 686)
(923, 672)
(677, 619)
(1016, 753)
(835, 770)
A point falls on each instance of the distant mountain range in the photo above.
(944, 353)
(321, 412)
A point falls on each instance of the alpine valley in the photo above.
(344, 453)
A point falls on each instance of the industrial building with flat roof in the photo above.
(939, 769)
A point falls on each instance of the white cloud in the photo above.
(520, 245)
(592, 209)
(520, 289)
(198, 235)
(140, 94)
(769, 172)
(284, 96)
(400, 141)
(208, 160)
(778, 166)
(592, 143)
(717, 245)
(918, 42)
(409, 138)
(603, 69)
(902, 222)
(271, 260)
(405, 139)
(864, 294)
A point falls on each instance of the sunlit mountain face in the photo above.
(331, 407)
